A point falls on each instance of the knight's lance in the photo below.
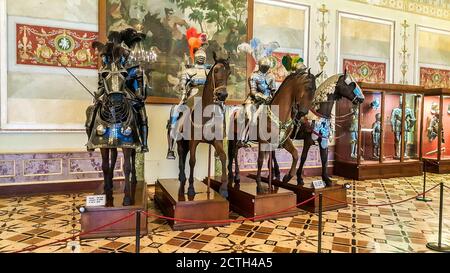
(75, 77)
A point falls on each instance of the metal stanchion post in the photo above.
(138, 231)
(439, 246)
(270, 170)
(208, 190)
(423, 197)
(319, 244)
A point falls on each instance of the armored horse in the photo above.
(194, 124)
(316, 126)
(293, 99)
(114, 121)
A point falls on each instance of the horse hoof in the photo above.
(276, 176)
(191, 191)
(327, 181)
(259, 190)
(127, 202)
(287, 178)
(109, 203)
(300, 182)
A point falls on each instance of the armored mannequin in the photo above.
(396, 122)
(133, 62)
(137, 80)
(433, 128)
(192, 81)
(114, 37)
(194, 76)
(262, 83)
(354, 132)
(262, 89)
(376, 136)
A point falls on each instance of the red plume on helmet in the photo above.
(195, 40)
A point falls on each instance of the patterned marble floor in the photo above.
(405, 227)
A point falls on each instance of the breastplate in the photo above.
(262, 86)
(197, 76)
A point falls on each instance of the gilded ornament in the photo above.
(64, 60)
(82, 55)
(64, 43)
(44, 52)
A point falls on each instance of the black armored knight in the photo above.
(118, 118)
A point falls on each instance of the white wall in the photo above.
(155, 164)
(82, 11)
(372, 11)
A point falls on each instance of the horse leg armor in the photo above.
(171, 134)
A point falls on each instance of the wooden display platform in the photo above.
(245, 200)
(337, 192)
(183, 206)
(378, 171)
(95, 217)
(436, 166)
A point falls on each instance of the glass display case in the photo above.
(436, 130)
(381, 137)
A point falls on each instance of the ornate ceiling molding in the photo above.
(432, 8)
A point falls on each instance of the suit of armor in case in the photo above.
(436, 126)
(382, 138)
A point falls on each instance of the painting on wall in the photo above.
(434, 78)
(52, 46)
(285, 23)
(291, 33)
(365, 71)
(165, 23)
(279, 71)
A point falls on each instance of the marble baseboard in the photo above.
(36, 168)
(248, 158)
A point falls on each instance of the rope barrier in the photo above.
(32, 248)
(147, 214)
(230, 221)
(387, 204)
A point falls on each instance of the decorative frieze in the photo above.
(53, 167)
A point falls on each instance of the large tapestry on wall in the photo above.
(364, 71)
(166, 21)
(434, 78)
(52, 46)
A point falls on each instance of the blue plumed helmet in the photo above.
(257, 49)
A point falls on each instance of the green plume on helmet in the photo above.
(291, 63)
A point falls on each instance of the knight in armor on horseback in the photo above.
(133, 61)
(262, 83)
(118, 119)
(137, 80)
(192, 81)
